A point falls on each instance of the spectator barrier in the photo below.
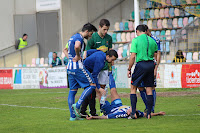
(168, 76)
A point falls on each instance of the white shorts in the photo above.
(103, 77)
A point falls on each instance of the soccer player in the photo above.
(78, 76)
(95, 62)
(157, 60)
(101, 41)
(143, 48)
(116, 109)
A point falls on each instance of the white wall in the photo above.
(8, 8)
(6, 23)
(25, 6)
(75, 13)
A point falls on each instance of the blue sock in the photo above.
(154, 100)
(111, 81)
(133, 98)
(84, 95)
(71, 100)
(144, 97)
(149, 103)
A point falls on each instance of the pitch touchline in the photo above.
(68, 109)
(32, 107)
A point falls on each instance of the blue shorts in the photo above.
(79, 78)
(107, 107)
(144, 71)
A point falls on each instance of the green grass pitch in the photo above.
(46, 110)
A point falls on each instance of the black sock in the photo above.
(133, 99)
(149, 103)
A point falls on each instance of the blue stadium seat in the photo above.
(167, 47)
(37, 61)
(153, 32)
(119, 37)
(50, 55)
(121, 26)
(142, 13)
(50, 61)
(125, 48)
(169, 61)
(189, 56)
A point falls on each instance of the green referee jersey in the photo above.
(139, 46)
(103, 44)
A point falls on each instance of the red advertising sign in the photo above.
(6, 79)
(190, 76)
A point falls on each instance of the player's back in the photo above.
(72, 53)
(95, 58)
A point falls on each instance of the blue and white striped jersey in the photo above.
(157, 41)
(71, 52)
(121, 112)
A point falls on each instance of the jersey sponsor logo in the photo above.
(121, 115)
(103, 48)
(98, 42)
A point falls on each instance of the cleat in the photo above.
(101, 114)
(77, 111)
(84, 115)
(95, 115)
(74, 119)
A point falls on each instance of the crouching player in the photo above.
(116, 109)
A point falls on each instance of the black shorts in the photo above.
(144, 71)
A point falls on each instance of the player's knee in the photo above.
(141, 88)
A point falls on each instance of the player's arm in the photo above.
(133, 52)
(77, 50)
(97, 117)
(156, 114)
(65, 50)
(157, 56)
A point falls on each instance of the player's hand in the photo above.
(161, 113)
(102, 91)
(89, 117)
(129, 74)
(76, 58)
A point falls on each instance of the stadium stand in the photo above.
(173, 21)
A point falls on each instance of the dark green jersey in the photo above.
(103, 44)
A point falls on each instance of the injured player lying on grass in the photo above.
(116, 109)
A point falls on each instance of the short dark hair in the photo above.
(104, 22)
(137, 114)
(141, 28)
(24, 35)
(89, 27)
(55, 53)
(146, 27)
(112, 53)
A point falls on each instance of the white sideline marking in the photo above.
(68, 109)
(32, 107)
(182, 115)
